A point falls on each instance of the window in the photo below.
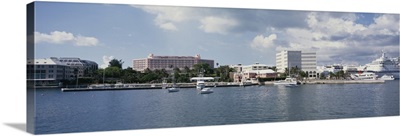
(51, 66)
(50, 71)
(50, 76)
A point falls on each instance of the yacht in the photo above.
(364, 76)
(383, 65)
(200, 84)
(206, 91)
(387, 77)
(287, 81)
(200, 81)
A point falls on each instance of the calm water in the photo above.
(137, 109)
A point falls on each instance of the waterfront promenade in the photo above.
(209, 84)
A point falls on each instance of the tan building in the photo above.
(169, 62)
(252, 72)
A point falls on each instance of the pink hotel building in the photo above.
(166, 62)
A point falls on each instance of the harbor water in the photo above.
(58, 111)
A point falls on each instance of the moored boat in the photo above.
(287, 81)
(364, 76)
(387, 77)
(206, 91)
(173, 89)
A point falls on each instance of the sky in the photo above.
(101, 32)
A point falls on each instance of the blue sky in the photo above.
(99, 32)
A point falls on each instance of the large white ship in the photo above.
(383, 65)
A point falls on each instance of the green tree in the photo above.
(113, 72)
(340, 74)
(116, 63)
(129, 75)
(331, 75)
(303, 74)
(322, 76)
(203, 67)
(223, 73)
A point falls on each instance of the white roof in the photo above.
(259, 71)
(44, 61)
(202, 78)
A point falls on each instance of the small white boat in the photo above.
(387, 77)
(291, 85)
(287, 81)
(173, 89)
(206, 91)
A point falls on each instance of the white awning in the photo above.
(201, 78)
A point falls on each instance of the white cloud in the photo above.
(62, 37)
(56, 37)
(324, 23)
(212, 24)
(168, 26)
(86, 41)
(341, 38)
(385, 25)
(261, 42)
(106, 60)
(167, 17)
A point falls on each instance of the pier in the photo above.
(335, 82)
(209, 84)
(343, 82)
(152, 86)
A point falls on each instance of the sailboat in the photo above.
(174, 87)
(200, 83)
(288, 82)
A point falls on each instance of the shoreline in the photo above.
(210, 84)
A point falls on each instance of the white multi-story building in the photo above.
(47, 71)
(309, 63)
(82, 67)
(168, 62)
(304, 60)
(51, 71)
(325, 70)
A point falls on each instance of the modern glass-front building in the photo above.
(304, 60)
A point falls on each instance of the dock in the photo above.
(344, 82)
(150, 86)
(209, 84)
(335, 82)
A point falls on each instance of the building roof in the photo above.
(201, 78)
(260, 71)
(45, 61)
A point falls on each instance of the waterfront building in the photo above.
(81, 67)
(325, 70)
(47, 71)
(237, 67)
(304, 60)
(153, 62)
(51, 71)
(309, 63)
(252, 72)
